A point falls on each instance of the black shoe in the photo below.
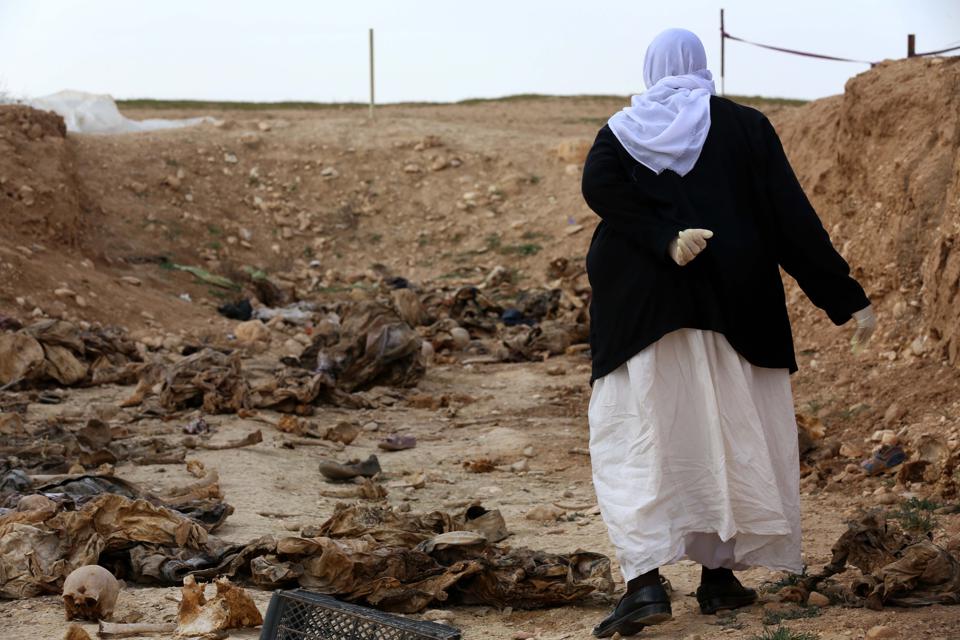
(646, 606)
(733, 595)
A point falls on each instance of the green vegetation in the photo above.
(914, 515)
(789, 580)
(776, 617)
(495, 244)
(783, 633)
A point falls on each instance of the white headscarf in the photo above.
(665, 127)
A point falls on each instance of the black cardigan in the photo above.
(743, 189)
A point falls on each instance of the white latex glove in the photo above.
(866, 324)
(688, 244)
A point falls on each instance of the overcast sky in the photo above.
(437, 49)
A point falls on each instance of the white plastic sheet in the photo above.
(98, 113)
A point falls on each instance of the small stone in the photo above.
(572, 229)
(893, 414)
(426, 348)
(817, 599)
(230, 158)
(529, 451)
(522, 635)
(544, 513)
(251, 332)
(371, 426)
(26, 195)
(263, 126)
(438, 615)
(329, 172)
(412, 168)
(136, 282)
(887, 498)
(461, 337)
(882, 633)
(250, 140)
(848, 450)
(64, 293)
(520, 465)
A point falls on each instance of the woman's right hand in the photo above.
(866, 324)
(688, 244)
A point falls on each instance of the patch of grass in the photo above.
(922, 504)
(216, 246)
(914, 515)
(783, 633)
(214, 230)
(526, 249)
(495, 244)
(533, 235)
(776, 617)
(218, 294)
(813, 407)
(375, 238)
(789, 580)
(255, 273)
(535, 179)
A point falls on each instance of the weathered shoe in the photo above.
(715, 597)
(334, 470)
(647, 606)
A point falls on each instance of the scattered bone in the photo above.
(231, 608)
(76, 632)
(132, 629)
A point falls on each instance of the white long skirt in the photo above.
(694, 455)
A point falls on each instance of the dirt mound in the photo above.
(881, 164)
(39, 195)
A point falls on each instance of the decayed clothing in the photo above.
(743, 189)
(694, 454)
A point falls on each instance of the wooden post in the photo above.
(911, 45)
(371, 73)
(723, 40)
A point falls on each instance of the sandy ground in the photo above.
(276, 490)
(178, 194)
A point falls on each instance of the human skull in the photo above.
(90, 593)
